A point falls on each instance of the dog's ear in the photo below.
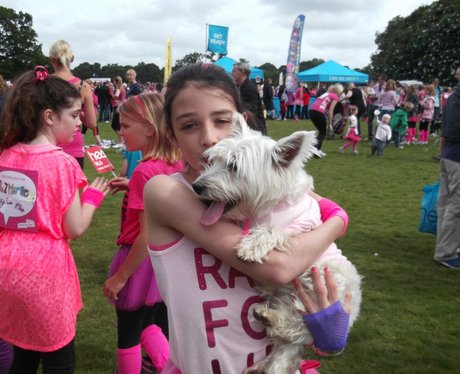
(239, 123)
(298, 146)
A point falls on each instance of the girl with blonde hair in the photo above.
(61, 57)
(132, 287)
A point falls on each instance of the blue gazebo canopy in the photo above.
(227, 64)
(332, 72)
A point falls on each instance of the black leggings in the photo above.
(116, 120)
(319, 120)
(131, 323)
(61, 361)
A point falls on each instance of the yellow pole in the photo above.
(168, 62)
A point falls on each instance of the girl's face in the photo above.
(135, 134)
(200, 118)
(67, 123)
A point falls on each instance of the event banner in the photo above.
(293, 60)
(217, 39)
(98, 158)
(18, 197)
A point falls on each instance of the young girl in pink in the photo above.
(427, 113)
(352, 133)
(141, 312)
(41, 210)
(209, 292)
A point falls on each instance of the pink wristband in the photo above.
(92, 196)
(329, 209)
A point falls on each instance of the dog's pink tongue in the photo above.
(212, 214)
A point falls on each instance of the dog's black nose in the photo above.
(198, 188)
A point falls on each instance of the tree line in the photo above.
(421, 46)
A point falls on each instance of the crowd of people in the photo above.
(42, 117)
(165, 303)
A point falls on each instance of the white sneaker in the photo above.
(320, 153)
(119, 145)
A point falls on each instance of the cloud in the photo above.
(126, 32)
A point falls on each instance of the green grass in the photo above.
(409, 320)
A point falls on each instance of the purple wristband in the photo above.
(329, 209)
(329, 328)
(92, 196)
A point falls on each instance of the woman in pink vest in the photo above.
(61, 57)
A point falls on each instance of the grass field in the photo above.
(409, 319)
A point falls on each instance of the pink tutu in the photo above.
(353, 136)
(141, 288)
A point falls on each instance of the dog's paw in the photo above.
(259, 242)
(261, 314)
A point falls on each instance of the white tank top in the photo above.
(211, 325)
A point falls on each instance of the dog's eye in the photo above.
(232, 166)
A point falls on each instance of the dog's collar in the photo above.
(246, 226)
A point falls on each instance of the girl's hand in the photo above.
(118, 184)
(112, 287)
(101, 184)
(327, 295)
(327, 319)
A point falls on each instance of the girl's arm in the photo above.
(90, 120)
(136, 255)
(172, 210)
(80, 213)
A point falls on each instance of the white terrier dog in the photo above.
(252, 177)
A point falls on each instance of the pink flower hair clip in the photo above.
(41, 73)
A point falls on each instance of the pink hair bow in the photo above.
(41, 73)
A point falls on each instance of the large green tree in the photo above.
(19, 49)
(191, 58)
(422, 46)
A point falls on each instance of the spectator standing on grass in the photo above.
(298, 95)
(448, 207)
(399, 123)
(387, 101)
(306, 101)
(61, 56)
(39, 287)
(290, 103)
(427, 113)
(268, 93)
(249, 95)
(352, 133)
(119, 95)
(104, 97)
(382, 135)
(356, 98)
(412, 97)
(434, 127)
(141, 313)
(133, 88)
(321, 113)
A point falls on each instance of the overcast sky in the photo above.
(127, 32)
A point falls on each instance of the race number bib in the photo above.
(18, 196)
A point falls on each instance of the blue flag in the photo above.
(217, 39)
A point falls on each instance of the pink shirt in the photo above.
(428, 108)
(39, 288)
(133, 202)
(387, 100)
(323, 102)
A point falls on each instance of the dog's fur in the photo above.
(250, 176)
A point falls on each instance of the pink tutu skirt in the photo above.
(353, 136)
(141, 288)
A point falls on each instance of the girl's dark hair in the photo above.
(20, 121)
(201, 75)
